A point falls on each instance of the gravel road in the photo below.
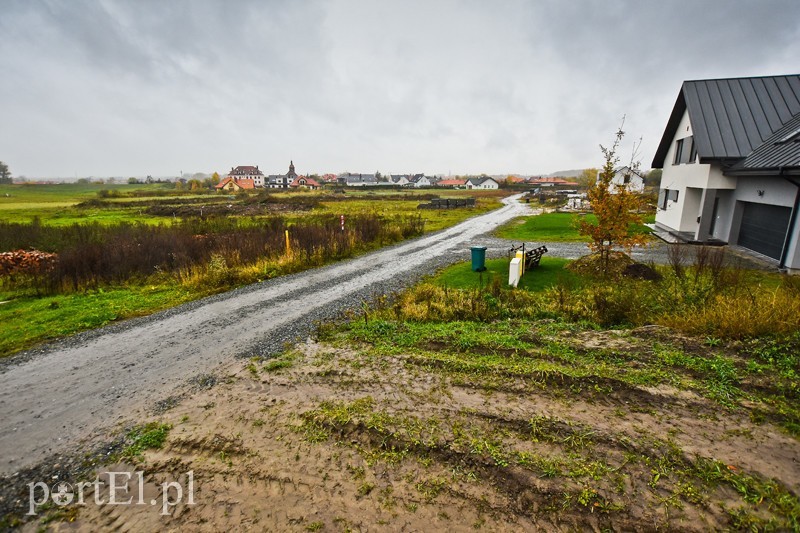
(54, 398)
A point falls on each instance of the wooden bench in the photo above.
(533, 257)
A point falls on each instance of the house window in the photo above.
(692, 151)
(678, 152)
(685, 151)
(665, 195)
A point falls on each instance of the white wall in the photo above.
(636, 183)
(722, 226)
(777, 191)
(680, 215)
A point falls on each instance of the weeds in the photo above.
(214, 250)
(151, 436)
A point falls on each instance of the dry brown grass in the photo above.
(739, 315)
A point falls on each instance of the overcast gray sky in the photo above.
(131, 88)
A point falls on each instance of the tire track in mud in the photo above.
(53, 398)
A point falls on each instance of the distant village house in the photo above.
(628, 178)
(482, 183)
(241, 178)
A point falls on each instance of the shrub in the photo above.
(740, 315)
(93, 255)
(718, 302)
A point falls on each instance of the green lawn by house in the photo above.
(553, 227)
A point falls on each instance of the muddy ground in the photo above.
(331, 437)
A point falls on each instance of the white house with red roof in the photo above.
(233, 184)
(303, 182)
(455, 184)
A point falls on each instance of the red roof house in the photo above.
(303, 182)
(451, 183)
(233, 184)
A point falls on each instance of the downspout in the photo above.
(792, 220)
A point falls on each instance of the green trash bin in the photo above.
(478, 258)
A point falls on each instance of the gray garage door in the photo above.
(764, 228)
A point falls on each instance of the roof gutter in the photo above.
(792, 219)
(781, 172)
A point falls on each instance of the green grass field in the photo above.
(55, 203)
(28, 320)
(553, 227)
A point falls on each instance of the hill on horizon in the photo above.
(566, 173)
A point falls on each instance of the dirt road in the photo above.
(75, 389)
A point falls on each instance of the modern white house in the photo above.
(425, 181)
(482, 183)
(730, 156)
(398, 179)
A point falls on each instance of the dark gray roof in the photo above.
(629, 170)
(731, 117)
(361, 178)
(480, 181)
(780, 152)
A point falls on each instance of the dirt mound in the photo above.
(619, 265)
(595, 265)
(641, 271)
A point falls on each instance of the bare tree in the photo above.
(615, 207)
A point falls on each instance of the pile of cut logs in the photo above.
(25, 262)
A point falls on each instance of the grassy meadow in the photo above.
(69, 203)
(56, 204)
(130, 250)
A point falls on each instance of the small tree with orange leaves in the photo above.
(615, 206)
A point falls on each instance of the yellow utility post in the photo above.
(521, 258)
(288, 248)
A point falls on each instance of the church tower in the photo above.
(291, 175)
